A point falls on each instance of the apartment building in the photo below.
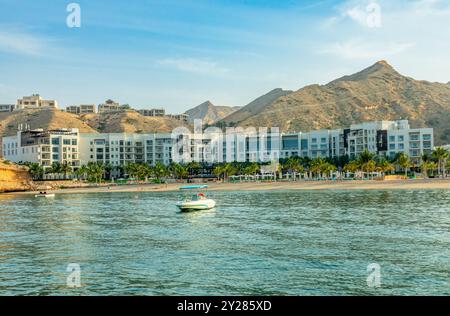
(81, 109)
(153, 112)
(6, 107)
(384, 138)
(109, 106)
(33, 102)
(180, 117)
(43, 147)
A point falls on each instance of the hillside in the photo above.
(378, 92)
(209, 112)
(130, 121)
(256, 106)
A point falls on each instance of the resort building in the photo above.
(180, 117)
(81, 109)
(384, 138)
(6, 107)
(109, 106)
(33, 102)
(43, 147)
(153, 112)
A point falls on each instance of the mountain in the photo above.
(209, 112)
(130, 121)
(255, 106)
(378, 92)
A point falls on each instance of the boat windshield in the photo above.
(196, 197)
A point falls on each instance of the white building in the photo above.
(6, 107)
(81, 109)
(33, 102)
(110, 106)
(43, 147)
(384, 138)
(153, 112)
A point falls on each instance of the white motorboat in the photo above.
(196, 202)
(44, 195)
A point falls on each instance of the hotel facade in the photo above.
(34, 102)
(43, 147)
(384, 138)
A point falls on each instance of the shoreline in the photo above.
(421, 184)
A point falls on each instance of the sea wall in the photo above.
(14, 178)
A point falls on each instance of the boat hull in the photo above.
(196, 205)
(44, 195)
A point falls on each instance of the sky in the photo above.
(177, 54)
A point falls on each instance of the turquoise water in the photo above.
(253, 243)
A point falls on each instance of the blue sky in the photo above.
(177, 54)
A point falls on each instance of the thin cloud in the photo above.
(193, 65)
(21, 43)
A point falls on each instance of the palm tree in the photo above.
(385, 166)
(293, 164)
(353, 166)
(219, 171)
(193, 167)
(81, 172)
(178, 171)
(159, 171)
(404, 162)
(36, 171)
(55, 168)
(131, 169)
(65, 168)
(229, 170)
(252, 169)
(428, 166)
(366, 161)
(95, 171)
(441, 155)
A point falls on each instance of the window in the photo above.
(323, 140)
(426, 137)
(401, 138)
(391, 146)
(391, 139)
(55, 156)
(55, 141)
(66, 141)
(401, 146)
(74, 142)
(55, 149)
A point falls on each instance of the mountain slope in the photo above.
(378, 92)
(255, 106)
(209, 112)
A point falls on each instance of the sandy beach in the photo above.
(430, 184)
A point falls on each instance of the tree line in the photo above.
(436, 163)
